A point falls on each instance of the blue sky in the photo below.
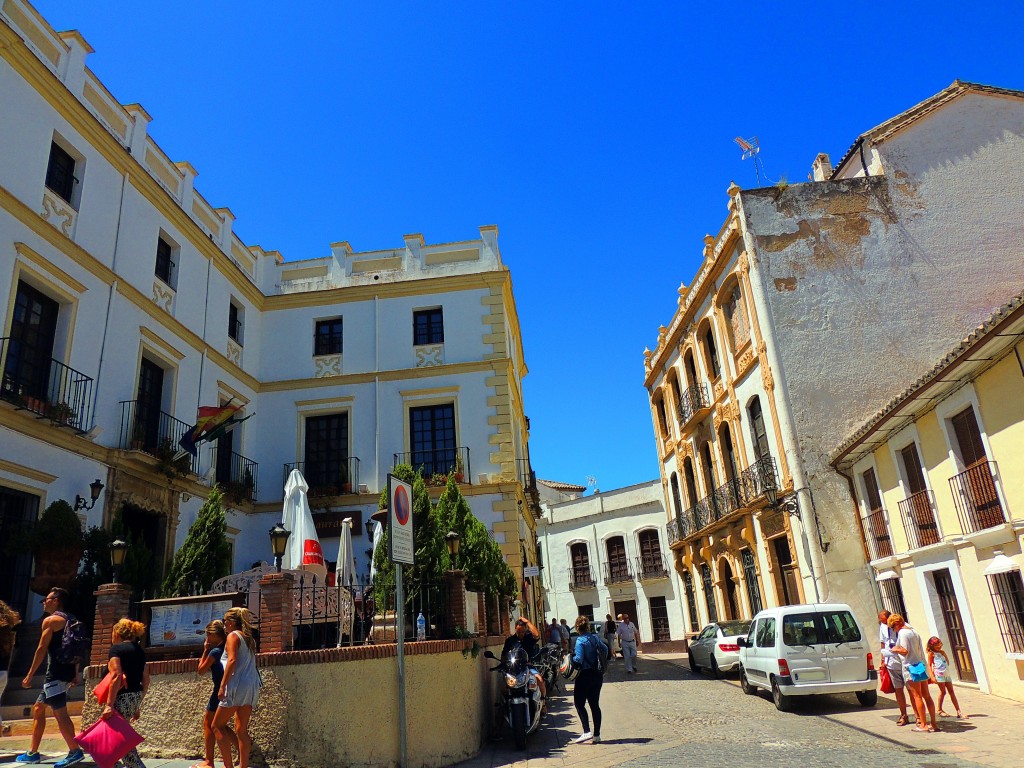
(597, 136)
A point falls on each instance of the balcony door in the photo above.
(432, 438)
(150, 400)
(919, 504)
(30, 348)
(581, 575)
(978, 481)
(326, 455)
(650, 553)
(225, 457)
(618, 565)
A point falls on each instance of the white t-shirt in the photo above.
(885, 637)
(626, 631)
(909, 639)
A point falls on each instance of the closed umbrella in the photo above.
(346, 572)
(377, 533)
(303, 551)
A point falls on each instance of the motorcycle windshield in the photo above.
(516, 660)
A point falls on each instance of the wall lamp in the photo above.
(784, 504)
(95, 488)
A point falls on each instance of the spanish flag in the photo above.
(212, 422)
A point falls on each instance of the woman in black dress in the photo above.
(211, 662)
(127, 658)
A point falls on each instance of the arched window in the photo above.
(691, 602)
(675, 494)
(650, 554)
(709, 592)
(762, 450)
(691, 482)
(731, 498)
(582, 577)
(691, 370)
(618, 564)
(708, 467)
(659, 406)
(677, 395)
(736, 317)
(711, 353)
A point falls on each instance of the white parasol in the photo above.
(346, 574)
(377, 533)
(303, 551)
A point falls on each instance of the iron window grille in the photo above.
(1007, 591)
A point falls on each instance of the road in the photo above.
(667, 716)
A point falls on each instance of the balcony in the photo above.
(651, 567)
(617, 572)
(918, 513)
(877, 531)
(739, 493)
(148, 429)
(581, 577)
(326, 479)
(693, 401)
(527, 476)
(977, 502)
(239, 478)
(437, 465)
(52, 390)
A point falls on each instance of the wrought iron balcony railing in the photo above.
(617, 571)
(327, 479)
(651, 566)
(238, 476)
(47, 388)
(976, 498)
(692, 401)
(526, 474)
(144, 427)
(581, 577)
(739, 493)
(877, 530)
(436, 465)
(918, 513)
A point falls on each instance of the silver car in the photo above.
(716, 649)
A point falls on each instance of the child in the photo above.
(938, 669)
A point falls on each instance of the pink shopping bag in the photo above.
(107, 741)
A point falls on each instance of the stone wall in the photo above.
(335, 707)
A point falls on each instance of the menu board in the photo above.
(184, 623)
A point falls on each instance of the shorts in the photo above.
(896, 676)
(213, 703)
(942, 677)
(58, 694)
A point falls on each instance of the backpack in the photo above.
(602, 656)
(75, 642)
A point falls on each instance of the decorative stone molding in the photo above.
(743, 264)
(746, 359)
(772, 524)
(767, 379)
(718, 388)
(648, 354)
(326, 365)
(428, 355)
(234, 352)
(163, 295)
(58, 212)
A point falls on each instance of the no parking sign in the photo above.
(402, 549)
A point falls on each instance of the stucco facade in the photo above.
(944, 524)
(151, 307)
(855, 284)
(605, 554)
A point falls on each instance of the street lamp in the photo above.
(452, 540)
(118, 550)
(95, 487)
(278, 542)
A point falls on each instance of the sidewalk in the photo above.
(994, 734)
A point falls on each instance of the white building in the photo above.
(128, 302)
(605, 554)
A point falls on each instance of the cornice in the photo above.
(22, 423)
(22, 471)
(48, 266)
(367, 377)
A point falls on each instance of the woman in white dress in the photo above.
(239, 688)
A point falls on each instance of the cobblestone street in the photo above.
(666, 716)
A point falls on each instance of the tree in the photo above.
(206, 555)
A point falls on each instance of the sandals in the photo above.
(943, 714)
(902, 721)
(919, 729)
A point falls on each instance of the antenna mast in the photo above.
(751, 149)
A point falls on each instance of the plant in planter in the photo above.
(169, 462)
(238, 491)
(138, 439)
(57, 544)
(62, 413)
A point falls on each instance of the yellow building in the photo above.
(940, 496)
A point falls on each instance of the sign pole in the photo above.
(402, 551)
(400, 634)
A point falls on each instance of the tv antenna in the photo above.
(751, 149)
(592, 483)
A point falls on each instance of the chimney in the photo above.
(822, 167)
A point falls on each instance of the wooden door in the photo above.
(961, 652)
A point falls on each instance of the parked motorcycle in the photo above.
(521, 696)
(548, 663)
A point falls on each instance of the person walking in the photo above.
(127, 658)
(609, 635)
(60, 676)
(629, 637)
(893, 663)
(566, 635)
(9, 620)
(589, 679)
(211, 661)
(915, 672)
(554, 633)
(239, 688)
(938, 671)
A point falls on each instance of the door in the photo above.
(702, 645)
(225, 458)
(30, 347)
(618, 565)
(432, 438)
(581, 576)
(627, 606)
(954, 626)
(846, 648)
(650, 553)
(732, 610)
(19, 513)
(978, 482)
(919, 503)
(804, 648)
(786, 579)
(150, 398)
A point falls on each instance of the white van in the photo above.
(801, 650)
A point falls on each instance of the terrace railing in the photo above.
(976, 498)
(581, 577)
(54, 390)
(918, 513)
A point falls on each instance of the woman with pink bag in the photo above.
(125, 695)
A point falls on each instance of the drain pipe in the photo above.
(804, 498)
(110, 296)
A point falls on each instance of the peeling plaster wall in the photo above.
(870, 281)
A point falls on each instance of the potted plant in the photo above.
(57, 544)
(169, 462)
(138, 440)
(62, 413)
(459, 469)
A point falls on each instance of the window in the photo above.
(875, 524)
(427, 326)
(432, 438)
(618, 564)
(235, 322)
(736, 317)
(892, 597)
(691, 600)
(585, 610)
(691, 370)
(659, 405)
(581, 575)
(974, 489)
(327, 337)
(60, 172)
(1007, 592)
(707, 464)
(709, 591)
(762, 450)
(711, 352)
(799, 629)
(165, 261)
(691, 482)
(659, 620)
(677, 396)
(766, 633)
(676, 500)
(326, 455)
(19, 513)
(29, 360)
(840, 627)
(750, 576)
(650, 553)
(149, 424)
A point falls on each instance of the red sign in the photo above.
(311, 553)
